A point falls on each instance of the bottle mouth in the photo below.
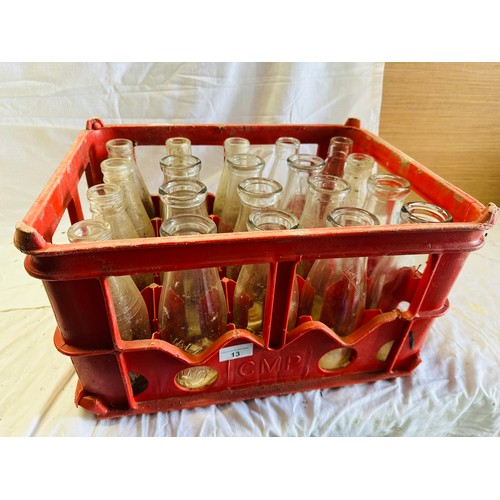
(180, 165)
(178, 145)
(119, 147)
(306, 162)
(329, 184)
(423, 212)
(188, 224)
(269, 219)
(115, 168)
(89, 230)
(288, 142)
(245, 161)
(183, 192)
(388, 185)
(260, 187)
(356, 162)
(351, 216)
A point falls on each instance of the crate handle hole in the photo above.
(138, 382)
(337, 359)
(196, 377)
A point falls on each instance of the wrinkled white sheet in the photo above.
(454, 392)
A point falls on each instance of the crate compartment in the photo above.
(124, 378)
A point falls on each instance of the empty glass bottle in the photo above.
(338, 150)
(395, 276)
(178, 146)
(335, 289)
(324, 193)
(300, 168)
(278, 166)
(124, 148)
(130, 309)
(250, 291)
(385, 196)
(183, 196)
(358, 167)
(254, 193)
(106, 203)
(117, 171)
(192, 307)
(232, 146)
(240, 167)
(181, 166)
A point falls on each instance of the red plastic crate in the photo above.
(74, 277)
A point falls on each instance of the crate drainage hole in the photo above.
(384, 351)
(196, 377)
(336, 359)
(138, 382)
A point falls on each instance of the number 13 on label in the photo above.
(236, 352)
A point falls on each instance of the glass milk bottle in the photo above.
(250, 291)
(130, 309)
(338, 150)
(232, 146)
(358, 168)
(335, 289)
(324, 193)
(117, 171)
(240, 167)
(255, 193)
(124, 148)
(283, 148)
(394, 274)
(106, 203)
(192, 307)
(300, 168)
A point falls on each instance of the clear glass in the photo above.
(300, 168)
(395, 276)
(339, 149)
(335, 289)
(124, 148)
(240, 168)
(178, 146)
(130, 308)
(183, 196)
(117, 171)
(192, 307)
(357, 170)
(180, 167)
(385, 196)
(232, 146)
(250, 291)
(255, 193)
(283, 148)
(325, 192)
(106, 203)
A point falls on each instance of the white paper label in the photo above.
(236, 352)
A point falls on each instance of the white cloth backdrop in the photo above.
(454, 392)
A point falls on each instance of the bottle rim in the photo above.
(271, 219)
(360, 161)
(328, 184)
(115, 168)
(245, 162)
(187, 224)
(389, 184)
(351, 216)
(183, 192)
(424, 212)
(260, 187)
(89, 230)
(178, 145)
(287, 141)
(119, 145)
(306, 162)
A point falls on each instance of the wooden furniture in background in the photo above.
(447, 117)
